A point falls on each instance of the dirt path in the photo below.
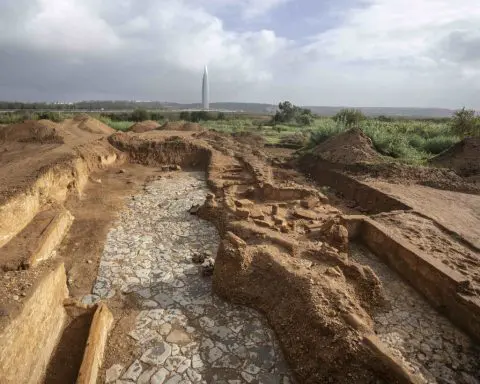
(424, 340)
(178, 332)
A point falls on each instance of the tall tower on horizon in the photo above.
(205, 90)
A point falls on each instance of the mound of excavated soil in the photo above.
(92, 125)
(41, 131)
(349, 147)
(144, 126)
(249, 138)
(463, 157)
(181, 126)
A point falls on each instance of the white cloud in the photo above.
(69, 25)
(398, 30)
(248, 9)
(387, 52)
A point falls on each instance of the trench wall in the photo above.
(370, 199)
(27, 341)
(53, 184)
(156, 152)
(440, 285)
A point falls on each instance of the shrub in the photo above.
(349, 117)
(289, 113)
(385, 119)
(53, 116)
(185, 115)
(140, 115)
(416, 141)
(466, 123)
(438, 144)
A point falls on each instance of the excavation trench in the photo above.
(169, 326)
(427, 343)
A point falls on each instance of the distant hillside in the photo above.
(253, 108)
(391, 112)
(323, 111)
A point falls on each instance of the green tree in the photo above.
(349, 117)
(140, 114)
(466, 123)
(288, 113)
(185, 115)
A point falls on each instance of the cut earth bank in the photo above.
(284, 250)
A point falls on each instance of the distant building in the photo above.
(205, 90)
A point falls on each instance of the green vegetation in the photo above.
(140, 115)
(412, 141)
(407, 140)
(21, 116)
(466, 122)
(118, 125)
(288, 113)
(350, 117)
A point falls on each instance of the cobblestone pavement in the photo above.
(183, 334)
(427, 342)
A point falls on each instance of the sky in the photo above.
(364, 53)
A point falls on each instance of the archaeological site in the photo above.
(173, 254)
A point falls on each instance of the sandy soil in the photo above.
(428, 237)
(283, 247)
(458, 212)
(94, 214)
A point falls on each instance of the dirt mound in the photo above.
(92, 125)
(181, 126)
(349, 147)
(144, 126)
(463, 157)
(249, 138)
(31, 131)
(81, 117)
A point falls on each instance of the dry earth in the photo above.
(284, 293)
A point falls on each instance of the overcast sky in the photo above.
(420, 53)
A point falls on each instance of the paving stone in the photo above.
(160, 376)
(113, 373)
(133, 372)
(178, 337)
(416, 333)
(157, 355)
(145, 377)
(149, 252)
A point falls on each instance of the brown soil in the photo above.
(440, 178)
(94, 214)
(463, 157)
(41, 131)
(349, 147)
(144, 126)
(181, 126)
(458, 212)
(284, 247)
(427, 236)
(68, 355)
(15, 254)
(255, 264)
(249, 138)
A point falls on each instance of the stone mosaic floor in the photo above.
(183, 333)
(426, 341)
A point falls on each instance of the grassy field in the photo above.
(412, 141)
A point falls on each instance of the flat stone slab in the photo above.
(183, 333)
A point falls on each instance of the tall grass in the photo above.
(411, 141)
(117, 125)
